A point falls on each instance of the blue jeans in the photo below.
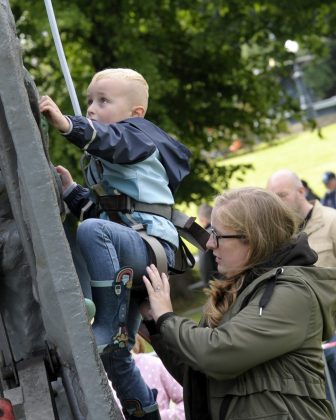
(107, 248)
(70, 225)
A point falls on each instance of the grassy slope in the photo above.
(304, 153)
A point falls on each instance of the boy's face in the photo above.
(108, 101)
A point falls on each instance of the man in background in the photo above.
(319, 223)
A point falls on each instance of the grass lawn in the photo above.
(304, 153)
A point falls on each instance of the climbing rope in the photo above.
(61, 57)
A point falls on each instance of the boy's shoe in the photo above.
(146, 413)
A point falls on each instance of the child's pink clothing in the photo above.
(170, 392)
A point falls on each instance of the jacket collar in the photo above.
(316, 221)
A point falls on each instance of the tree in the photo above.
(207, 64)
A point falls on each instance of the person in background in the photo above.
(257, 351)
(319, 223)
(316, 220)
(329, 180)
(207, 262)
(309, 193)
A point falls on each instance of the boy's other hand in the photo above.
(66, 177)
(53, 114)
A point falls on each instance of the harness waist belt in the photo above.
(126, 204)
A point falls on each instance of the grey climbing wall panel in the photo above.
(48, 278)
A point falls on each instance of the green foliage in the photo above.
(319, 74)
(207, 64)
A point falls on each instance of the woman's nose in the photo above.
(210, 243)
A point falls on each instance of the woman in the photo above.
(257, 352)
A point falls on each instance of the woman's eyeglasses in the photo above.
(215, 236)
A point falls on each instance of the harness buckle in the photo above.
(128, 204)
(117, 289)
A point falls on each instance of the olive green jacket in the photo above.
(269, 361)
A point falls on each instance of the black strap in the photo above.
(126, 204)
(190, 230)
(306, 219)
(198, 396)
(184, 259)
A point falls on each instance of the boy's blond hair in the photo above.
(140, 91)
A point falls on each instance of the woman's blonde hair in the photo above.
(266, 223)
(140, 90)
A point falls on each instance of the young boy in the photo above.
(133, 170)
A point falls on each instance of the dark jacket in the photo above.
(329, 199)
(131, 141)
(132, 158)
(264, 360)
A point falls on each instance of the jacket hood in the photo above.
(323, 282)
(295, 260)
(174, 155)
(296, 252)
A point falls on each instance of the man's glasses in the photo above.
(215, 236)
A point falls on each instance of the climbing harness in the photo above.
(185, 225)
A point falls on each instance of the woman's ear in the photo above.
(138, 111)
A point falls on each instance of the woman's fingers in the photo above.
(158, 282)
(153, 275)
(165, 282)
(148, 285)
(158, 292)
(153, 271)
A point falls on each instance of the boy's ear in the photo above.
(138, 111)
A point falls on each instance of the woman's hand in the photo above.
(53, 114)
(158, 292)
